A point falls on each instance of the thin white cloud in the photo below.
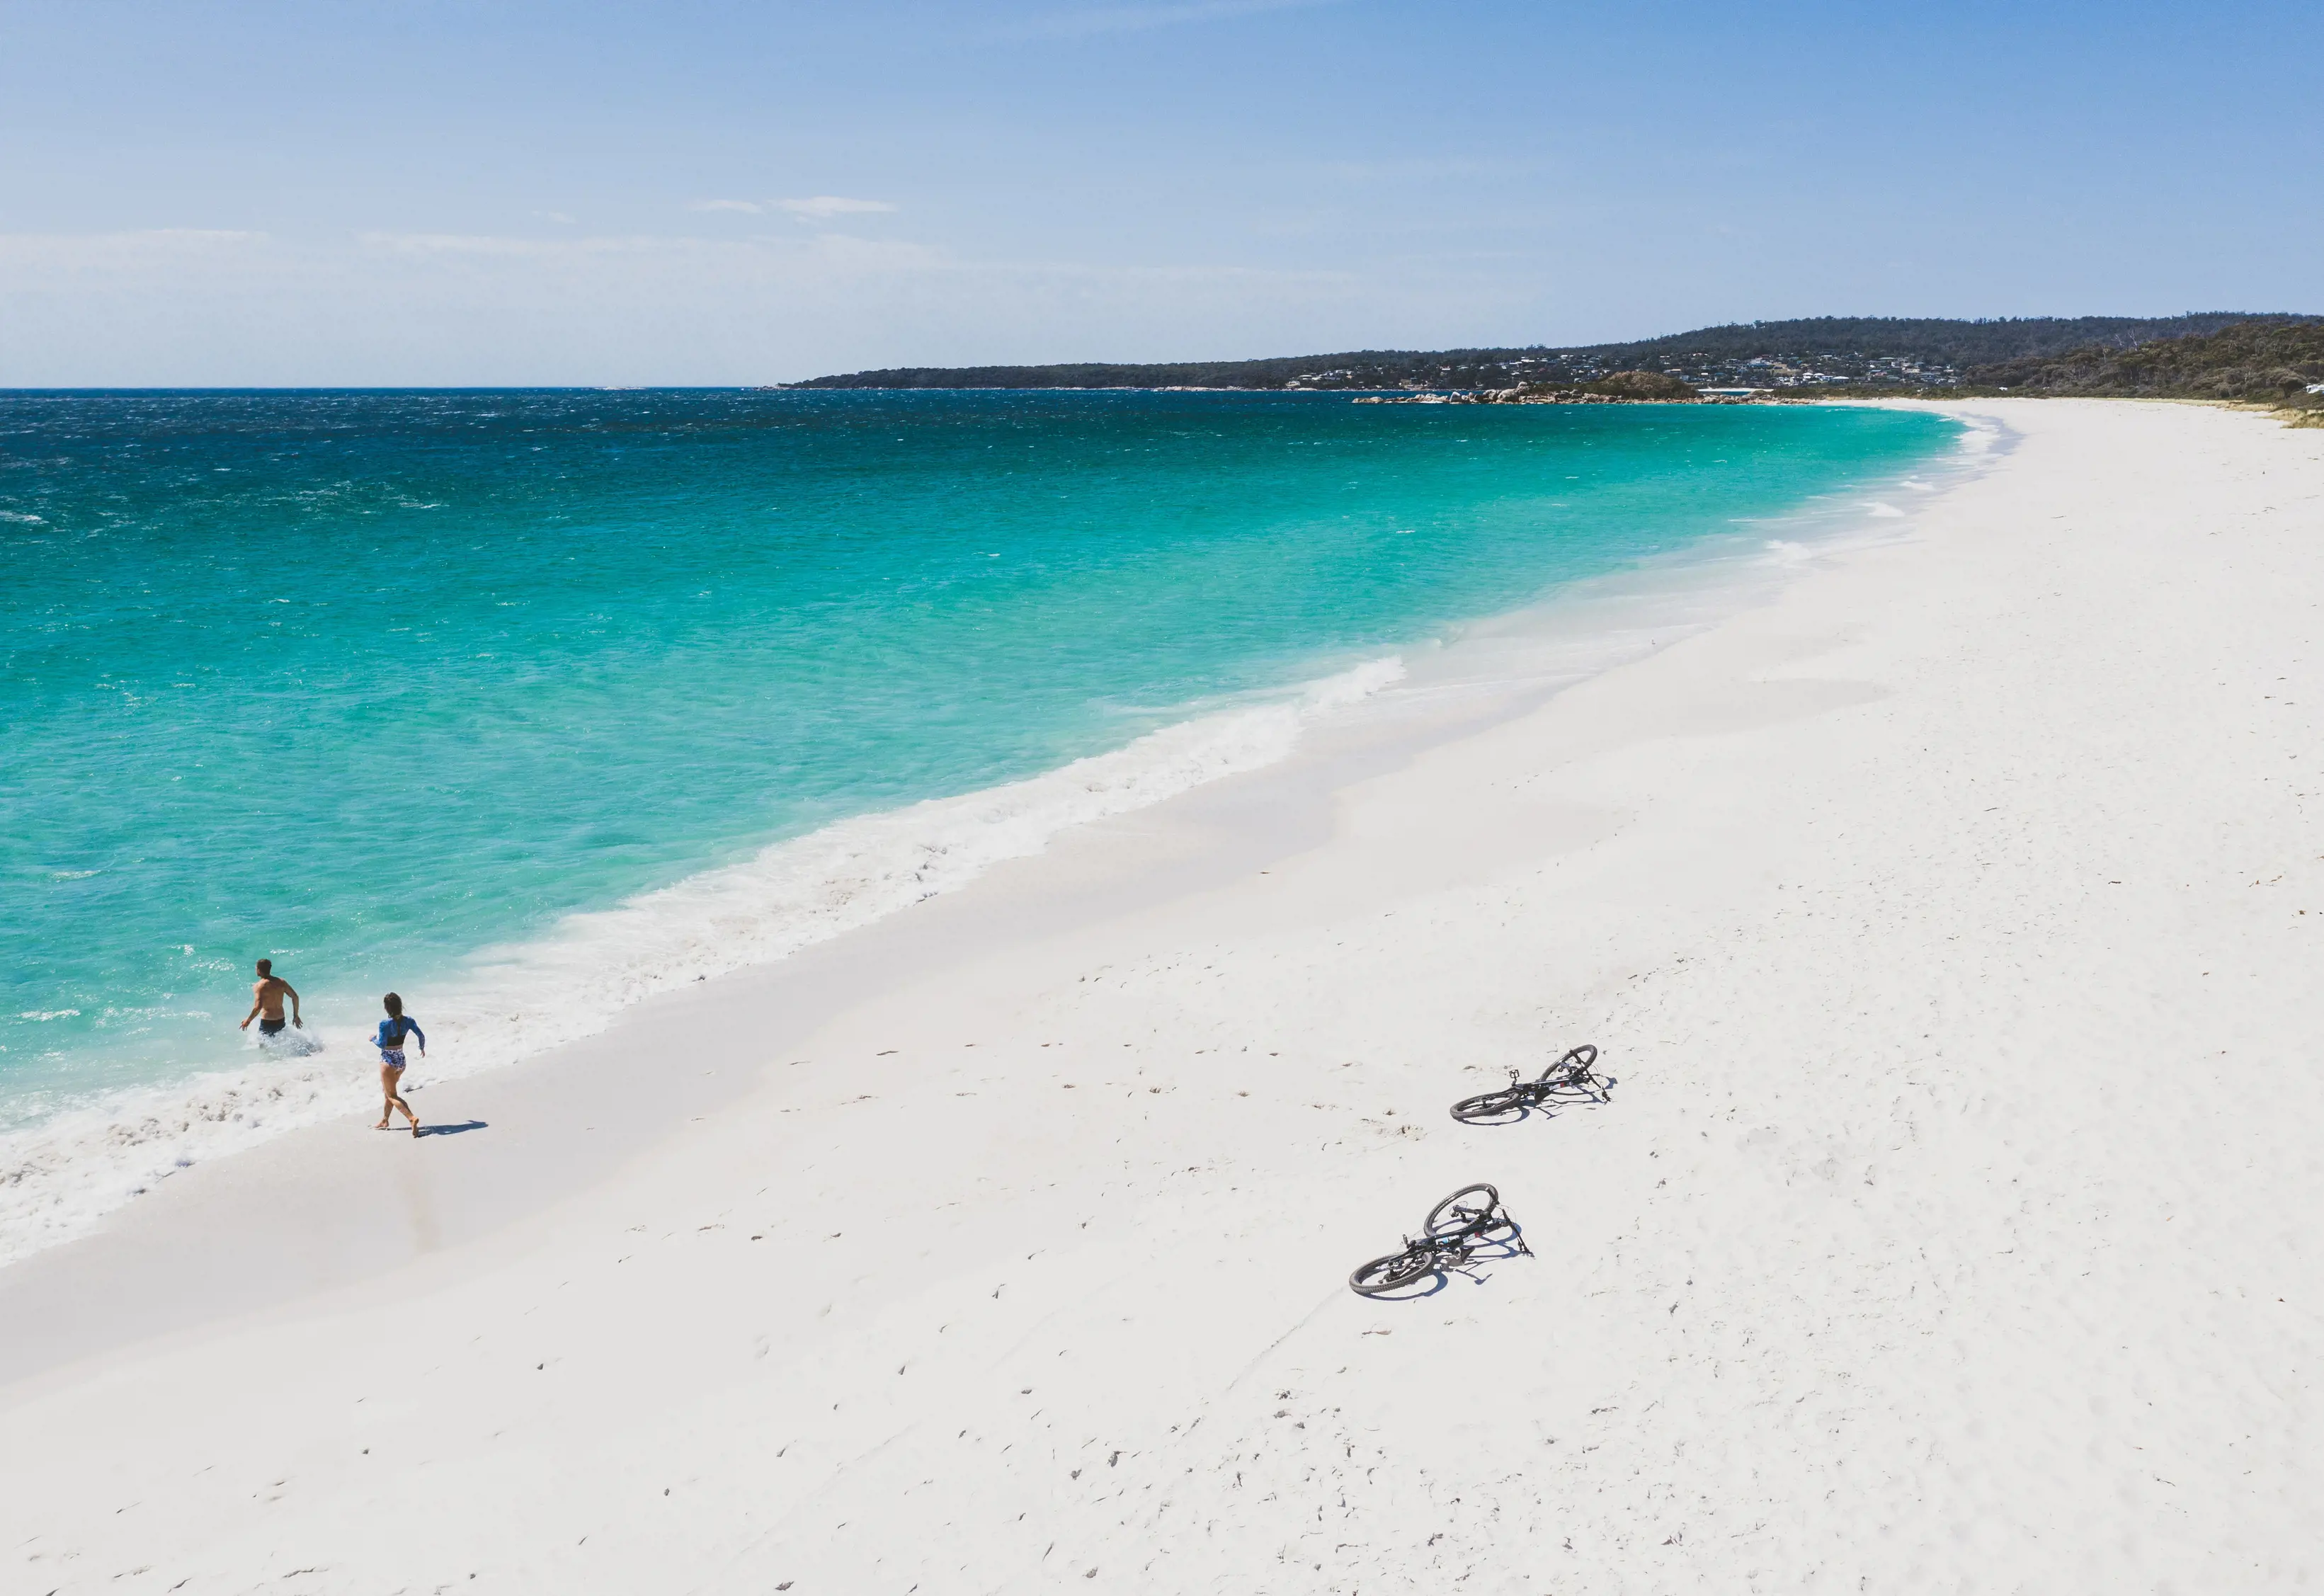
(824, 247)
(1138, 19)
(554, 216)
(821, 208)
(193, 235)
(485, 243)
(102, 251)
(824, 205)
(1409, 170)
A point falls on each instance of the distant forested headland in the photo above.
(2273, 362)
(2266, 358)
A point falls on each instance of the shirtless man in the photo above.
(266, 1001)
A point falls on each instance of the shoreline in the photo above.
(1946, 921)
(534, 1155)
(61, 1177)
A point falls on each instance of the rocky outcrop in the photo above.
(1654, 386)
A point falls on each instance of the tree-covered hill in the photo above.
(1888, 351)
(2258, 361)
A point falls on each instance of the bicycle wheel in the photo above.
(1386, 1274)
(1573, 1067)
(1463, 1209)
(1504, 1107)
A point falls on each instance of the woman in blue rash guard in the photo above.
(391, 1032)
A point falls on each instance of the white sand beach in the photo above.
(1950, 924)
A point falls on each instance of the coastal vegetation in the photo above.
(1890, 354)
(2279, 363)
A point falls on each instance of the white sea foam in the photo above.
(59, 1177)
(1978, 435)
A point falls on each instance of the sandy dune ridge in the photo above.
(1951, 925)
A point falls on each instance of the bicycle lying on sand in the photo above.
(1570, 1080)
(1468, 1220)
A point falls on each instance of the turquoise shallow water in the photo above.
(367, 682)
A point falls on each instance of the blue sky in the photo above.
(359, 192)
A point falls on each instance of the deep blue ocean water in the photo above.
(369, 682)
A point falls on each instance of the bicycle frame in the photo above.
(1440, 1250)
(1572, 1076)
